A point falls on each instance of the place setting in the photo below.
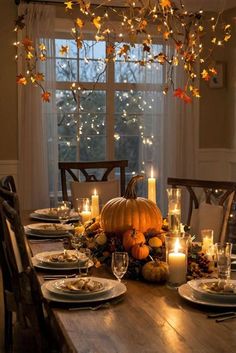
(55, 214)
(84, 289)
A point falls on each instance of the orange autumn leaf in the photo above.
(21, 80)
(79, 42)
(166, 35)
(42, 57)
(213, 71)
(161, 58)
(64, 49)
(124, 50)
(205, 75)
(46, 96)
(28, 44)
(142, 25)
(110, 50)
(97, 22)
(165, 3)
(79, 23)
(39, 76)
(181, 94)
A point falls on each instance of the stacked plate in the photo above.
(48, 230)
(82, 290)
(60, 260)
(207, 292)
(50, 214)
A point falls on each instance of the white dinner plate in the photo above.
(55, 287)
(117, 290)
(45, 215)
(29, 233)
(186, 292)
(197, 285)
(44, 258)
(233, 257)
(50, 228)
(43, 266)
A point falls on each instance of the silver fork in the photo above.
(93, 308)
(48, 277)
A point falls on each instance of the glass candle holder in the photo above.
(85, 213)
(177, 259)
(174, 210)
(207, 236)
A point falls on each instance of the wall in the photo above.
(216, 156)
(8, 89)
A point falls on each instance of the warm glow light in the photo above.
(177, 246)
(141, 22)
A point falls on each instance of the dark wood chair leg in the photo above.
(8, 336)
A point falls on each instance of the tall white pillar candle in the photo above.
(152, 188)
(95, 204)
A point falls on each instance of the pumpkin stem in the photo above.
(130, 192)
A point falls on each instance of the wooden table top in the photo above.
(151, 318)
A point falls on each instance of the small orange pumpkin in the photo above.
(140, 251)
(132, 237)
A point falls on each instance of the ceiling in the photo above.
(206, 5)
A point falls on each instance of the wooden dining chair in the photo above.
(88, 172)
(209, 204)
(7, 182)
(22, 291)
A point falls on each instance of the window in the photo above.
(116, 111)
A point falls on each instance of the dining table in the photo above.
(147, 318)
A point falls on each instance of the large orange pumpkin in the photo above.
(130, 211)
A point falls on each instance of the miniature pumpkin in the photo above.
(130, 211)
(155, 242)
(140, 251)
(132, 237)
(155, 271)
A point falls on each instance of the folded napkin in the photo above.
(207, 216)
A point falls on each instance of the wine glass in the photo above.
(63, 211)
(119, 264)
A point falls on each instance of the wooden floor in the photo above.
(23, 339)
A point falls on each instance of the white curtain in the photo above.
(34, 135)
(179, 144)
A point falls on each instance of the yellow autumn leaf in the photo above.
(97, 22)
(42, 47)
(79, 22)
(205, 75)
(227, 37)
(68, 4)
(29, 55)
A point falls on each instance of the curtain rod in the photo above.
(57, 2)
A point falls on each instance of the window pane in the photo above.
(132, 72)
(137, 127)
(91, 64)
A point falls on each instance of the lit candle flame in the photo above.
(177, 246)
(95, 192)
(152, 172)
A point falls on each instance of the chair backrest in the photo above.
(106, 167)
(8, 183)
(11, 197)
(21, 273)
(209, 204)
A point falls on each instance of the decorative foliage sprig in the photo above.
(192, 35)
